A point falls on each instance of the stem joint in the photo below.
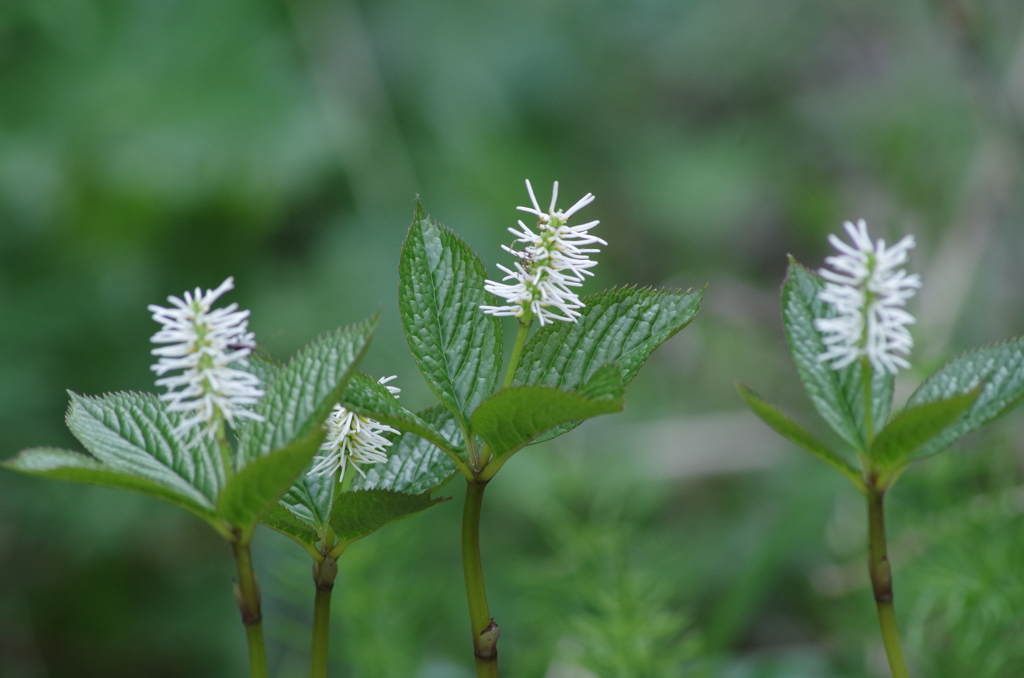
(486, 642)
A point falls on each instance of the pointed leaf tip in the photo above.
(795, 433)
(57, 464)
(997, 369)
(457, 347)
(301, 395)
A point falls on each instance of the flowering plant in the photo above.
(548, 266)
(234, 438)
(573, 367)
(176, 446)
(847, 333)
(204, 344)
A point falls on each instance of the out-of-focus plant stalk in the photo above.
(881, 582)
(247, 594)
(878, 556)
(485, 629)
(869, 424)
(324, 573)
(225, 451)
(517, 349)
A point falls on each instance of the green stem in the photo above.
(517, 349)
(247, 594)
(485, 629)
(869, 425)
(476, 463)
(225, 451)
(881, 583)
(480, 461)
(323, 576)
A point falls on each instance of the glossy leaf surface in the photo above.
(133, 433)
(303, 392)
(912, 428)
(415, 465)
(456, 345)
(57, 464)
(838, 395)
(998, 369)
(623, 325)
(514, 416)
(365, 396)
(358, 514)
(253, 490)
(279, 518)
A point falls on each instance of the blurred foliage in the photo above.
(150, 146)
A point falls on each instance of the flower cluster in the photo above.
(868, 294)
(553, 260)
(351, 436)
(204, 344)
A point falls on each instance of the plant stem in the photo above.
(485, 630)
(225, 451)
(517, 349)
(476, 463)
(323, 576)
(881, 583)
(247, 594)
(869, 425)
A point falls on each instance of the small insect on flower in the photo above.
(868, 294)
(205, 344)
(553, 260)
(353, 437)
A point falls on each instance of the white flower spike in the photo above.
(552, 262)
(868, 294)
(204, 344)
(353, 437)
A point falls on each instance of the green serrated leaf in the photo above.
(263, 366)
(358, 514)
(912, 428)
(302, 394)
(415, 465)
(998, 369)
(363, 395)
(57, 464)
(279, 518)
(623, 325)
(252, 491)
(134, 433)
(412, 462)
(310, 498)
(607, 381)
(795, 433)
(514, 416)
(456, 346)
(838, 395)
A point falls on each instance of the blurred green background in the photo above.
(152, 146)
